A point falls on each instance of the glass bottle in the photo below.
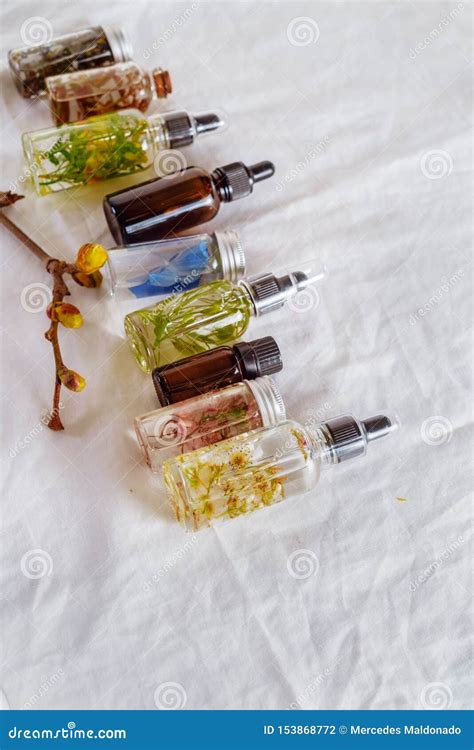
(208, 418)
(216, 368)
(263, 467)
(87, 48)
(173, 266)
(166, 205)
(217, 313)
(93, 92)
(112, 145)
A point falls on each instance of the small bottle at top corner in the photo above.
(93, 47)
(97, 91)
(169, 205)
(208, 418)
(172, 266)
(113, 145)
(215, 314)
(216, 368)
(263, 467)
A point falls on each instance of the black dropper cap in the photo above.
(236, 180)
(259, 357)
(350, 436)
(183, 127)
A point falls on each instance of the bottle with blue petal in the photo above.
(168, 267)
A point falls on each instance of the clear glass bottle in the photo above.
(173, 266)
(208, 418)
(263, 467)
(86, 48)
(166, 206)
(89, 93)
(212, 315)
(215, 369)
(112, 145)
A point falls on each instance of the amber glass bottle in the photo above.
(217, 368)
(168, 205)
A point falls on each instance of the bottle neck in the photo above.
(161, 83)
(158, 132)
(269, 400)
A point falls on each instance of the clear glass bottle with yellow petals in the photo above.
(263, 467)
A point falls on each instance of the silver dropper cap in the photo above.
(119, 43)
(349, 436)
(269, 292)
(231, 252)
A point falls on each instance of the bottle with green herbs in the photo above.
(112, 145)
(214, 314)
(264, 466)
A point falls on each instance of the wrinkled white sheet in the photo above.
(364, 108)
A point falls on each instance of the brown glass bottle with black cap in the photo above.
(167, 205)
(215, 369)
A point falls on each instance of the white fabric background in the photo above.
(129, 602)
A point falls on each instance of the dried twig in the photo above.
(85, 272)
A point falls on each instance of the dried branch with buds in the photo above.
(85, 272)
